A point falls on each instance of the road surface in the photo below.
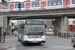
(52, 43)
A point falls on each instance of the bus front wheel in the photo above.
(39, 43)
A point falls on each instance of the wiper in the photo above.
(40, 33)
(29, 33)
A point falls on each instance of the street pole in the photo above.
(3, 2)
(3, 30)
(11, 26)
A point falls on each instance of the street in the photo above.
(52, 43)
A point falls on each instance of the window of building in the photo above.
(11, 6)
(64, 1)
(73, 1)
(0, 7)
(54, 3)
(16, 6)
(22, 5)
(49, 3)
(43, 3)
(58, 2)
(5, 7)
(73, 28)
(73, 22)
(67, 1)
(28, 5)
(35, 4)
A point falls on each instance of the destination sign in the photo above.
(34, 22)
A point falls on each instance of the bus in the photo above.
(32, 32)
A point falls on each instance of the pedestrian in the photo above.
(0, 37)
(15, 33)
(12, 29)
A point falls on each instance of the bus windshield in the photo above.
(34, 29)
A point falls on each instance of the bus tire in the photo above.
(22, 43)
(39, 43)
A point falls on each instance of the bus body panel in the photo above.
(34, 40)
(26, 38)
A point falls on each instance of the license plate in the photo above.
(34, 41)
(32, 36)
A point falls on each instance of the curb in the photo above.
(63, 38)
(6, 48)
(49, 34)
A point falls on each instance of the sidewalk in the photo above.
(9, 36)
(4, 46)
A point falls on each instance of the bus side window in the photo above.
(22, 29)
(18, 29)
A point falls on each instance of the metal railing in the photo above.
(54, 10)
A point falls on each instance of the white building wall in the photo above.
(18, 0)
(34, 0)
(0, 0)
(20, 21)
(71, 21)
(7, 1)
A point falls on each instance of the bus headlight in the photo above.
(24, 38)
(43, 38)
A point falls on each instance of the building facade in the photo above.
(71, 21)
(7, 1)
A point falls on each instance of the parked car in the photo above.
(49, 32)
(50, 29)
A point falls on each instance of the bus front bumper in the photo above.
(34, 41)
